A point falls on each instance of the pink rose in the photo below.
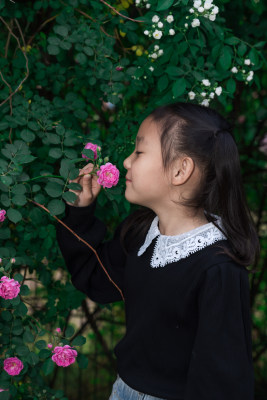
(2, 215)
(49, 345)
(93, 147)
(64, 356)
(58, 330)
(9, 288)
(13, 365)
(108, 175)
(119, 68)
(3, 390)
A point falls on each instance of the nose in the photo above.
(127, 163)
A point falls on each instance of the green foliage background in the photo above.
(58, 69)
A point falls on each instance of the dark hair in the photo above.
(203, 134)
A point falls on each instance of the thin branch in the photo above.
(24, 53)
(8, 39)
(82, 240)
(40, 27)
(117, 12)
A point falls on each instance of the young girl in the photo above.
(180, 260)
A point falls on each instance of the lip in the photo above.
(128, 180)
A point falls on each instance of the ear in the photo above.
(181, 171)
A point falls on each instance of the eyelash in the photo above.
(138, 152)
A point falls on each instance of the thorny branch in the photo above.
(82, 240)
(117, 12)
(24, 53)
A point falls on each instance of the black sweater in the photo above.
(188, 324)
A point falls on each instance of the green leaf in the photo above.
(56, 207)
(232, 40)
(231, 85)
(69, 196)
(78, 341)
(53, 50)
(27, 135)
(28, 336)
(21, 310)
(48, 366)
(14, 215)
(44, 353)
(41, 344)
(4, 395)
(22, 350)
(225, 59)
(88, 153)
(162, 83)
(89, 51)
(74, 186)
(81, 58)
(53, 189)
(18, 189)
(32, 358)
(7, 180)
(6, 315)
(179, 87)
(55, 152)
(69, 331)
(242, 48)
(25, 158)
(19, 200)
(61, 30)
(164, 4)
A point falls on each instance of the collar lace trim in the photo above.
(169, 249)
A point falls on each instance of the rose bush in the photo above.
(69, 78)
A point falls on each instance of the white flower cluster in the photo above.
(157, 52)
(205, 102)
(142, 3)
(157, 27)
(205, 9)
(247, 75)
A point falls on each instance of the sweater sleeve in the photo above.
(86, 272)
(221, 364)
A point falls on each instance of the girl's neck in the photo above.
(173, 225)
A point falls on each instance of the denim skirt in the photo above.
(121, 391)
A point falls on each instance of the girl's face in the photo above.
(146, 183)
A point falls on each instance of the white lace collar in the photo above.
(169, 249)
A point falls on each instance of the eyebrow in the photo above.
(140, 139)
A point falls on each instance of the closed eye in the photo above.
(138, 152)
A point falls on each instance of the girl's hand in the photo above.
(90, 187)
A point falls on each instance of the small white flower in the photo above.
(208, 4)
(137, 2)
(234, 70)
(170, 19)
(146, 32)
(205, 102)
(206, 82)
(148, 5)
(151, 69)
(191, 10)
(247, 61)
(154, 55)
(160, 24)
(212, 95)
(249, 78)
(191, 95)
(203, 94)
(197, 3)
(218, 90)
(160, 52)
(244, 71)
(172, 32)
(215, 10)
(157, 34)
(155, 19)
(200, 9)
(186, 25)
(195, 22)
(156, 47)
(212, 17)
